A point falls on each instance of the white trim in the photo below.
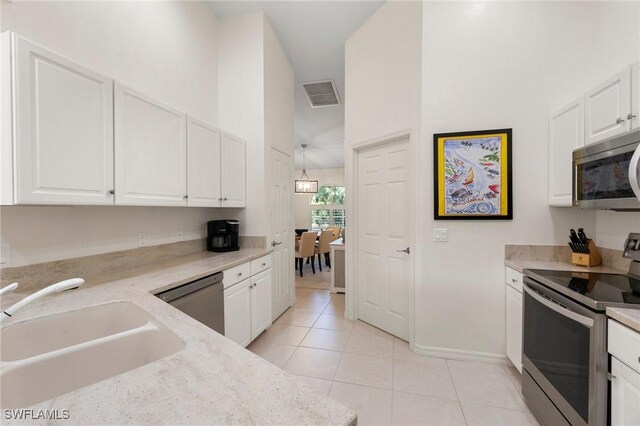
(461, 355)
(351, 181)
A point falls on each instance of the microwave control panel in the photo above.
(632, 247)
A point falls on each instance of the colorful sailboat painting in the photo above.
(473, 175)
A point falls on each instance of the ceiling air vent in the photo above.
(321, 93)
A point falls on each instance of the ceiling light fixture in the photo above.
(304, 185)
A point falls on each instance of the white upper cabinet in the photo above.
(233, 171)
(607, 107)
(150, 151)
(634, 115)
(203, 164)
(566, 133)
(62, 139)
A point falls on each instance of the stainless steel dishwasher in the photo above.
(202, 300)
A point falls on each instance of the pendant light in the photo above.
(304, 185)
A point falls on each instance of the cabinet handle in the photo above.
(610, 376)
(513, 280)
(224, 199)
(264, 264)
(111, 192)
(619, 120)
(630, 116)
(185, 197)
(239, 274)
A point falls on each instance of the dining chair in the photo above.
(323, 248)
(306, 249)
(335, 230)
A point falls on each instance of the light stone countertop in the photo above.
(628, 317)
(521, 265)
(337, 244)
(212, 380)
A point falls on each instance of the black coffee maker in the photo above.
(222, 235)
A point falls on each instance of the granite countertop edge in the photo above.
(626, 316)
(520, 265)
(211, 380)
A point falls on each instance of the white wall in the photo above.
(612, 228)
(494, 65)
(278, 94)
(167, 50)
(301, 201)
(241, 104)
(454, 66)
(256, 102)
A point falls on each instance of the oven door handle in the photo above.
(559, 308)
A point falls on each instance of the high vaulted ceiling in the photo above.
(312, 34)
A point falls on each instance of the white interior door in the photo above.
(64, 123)
(203, 164)
(383, 236)
(281, 218)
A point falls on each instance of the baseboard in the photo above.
(461, 355)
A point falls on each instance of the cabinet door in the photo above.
(635, 96)
(514, 327)
(566, 133)
(625, 394)
(260, 303)
(237, 312)
(203, 164)
(150, 151)
(64, 130)
(233, 171)
(607, 107)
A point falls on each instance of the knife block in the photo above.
(592, 258)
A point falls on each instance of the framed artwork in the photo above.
(473, 175)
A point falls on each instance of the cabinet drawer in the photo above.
(624, 344)
(513, 278)
(236, 274)
(261, 264)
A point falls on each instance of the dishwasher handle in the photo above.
(185, 289)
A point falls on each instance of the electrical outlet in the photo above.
(441, 235)
(142, 239)
(5, 255)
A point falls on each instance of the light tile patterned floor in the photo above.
(379, 377)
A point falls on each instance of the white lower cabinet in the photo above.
(237, 312)
(260, 303)
(247, 304)
(514, 317)
(623, 344)
(625, 394)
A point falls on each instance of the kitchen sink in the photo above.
(50, 356)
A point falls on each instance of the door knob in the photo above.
(407, 250)
(274, 243)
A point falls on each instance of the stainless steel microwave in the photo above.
(606, 175)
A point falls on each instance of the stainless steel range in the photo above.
(564, 358)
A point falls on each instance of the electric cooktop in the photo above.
(593, 289)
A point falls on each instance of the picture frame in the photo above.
(472, 175)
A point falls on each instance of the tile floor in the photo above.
(319, 280)
(377, 375)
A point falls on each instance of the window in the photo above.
(327, 208)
